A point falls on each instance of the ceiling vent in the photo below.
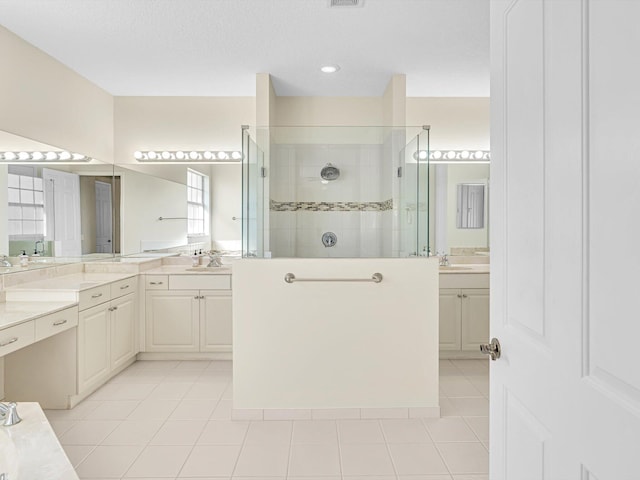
(345, 3)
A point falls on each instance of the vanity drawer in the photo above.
(200, 282)
(94, 296)
(156, 282)
(14, 338)
(124, 287)
(56, 322)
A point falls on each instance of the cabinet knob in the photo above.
(459, 296)
(464, 295)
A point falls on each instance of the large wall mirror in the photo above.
(56, 210)
(459, 208)
(167, 208)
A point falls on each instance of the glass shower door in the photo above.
(252, 197)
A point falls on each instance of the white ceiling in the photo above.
(215, 47)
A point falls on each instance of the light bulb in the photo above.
(437, 154)
(236, 155)
(208, 155)
(194, 155)
(37, 156)
(464, 154)
(138, 155)
(166, 155)
(51, 156)
(422, 155)
(451, 154)
(78, 156)
(478, 155)
(222, 155)
(152, 155)
(180, 155)
(329, 68)
(10, 156)
(23, 156)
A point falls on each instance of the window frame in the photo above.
(197, 199)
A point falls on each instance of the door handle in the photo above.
(492, 349)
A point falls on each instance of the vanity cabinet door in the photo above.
(172, 321)
(475, 318)
(93, 346)
(215, 321)
(123, 324)
(450, 312)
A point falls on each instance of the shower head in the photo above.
(329, 172)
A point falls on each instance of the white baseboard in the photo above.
(184, 356)
(255, 414)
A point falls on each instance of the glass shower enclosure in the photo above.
(336, 191)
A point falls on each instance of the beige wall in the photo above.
(179, 123)
(456, 123)
(322, 111)
(43, 100)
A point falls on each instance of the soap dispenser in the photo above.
(195, 259)
(24, 259)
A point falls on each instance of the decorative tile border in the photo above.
(331, 206)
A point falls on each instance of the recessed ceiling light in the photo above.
(330, 68)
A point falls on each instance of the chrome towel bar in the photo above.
(375, 278)
(172, 218)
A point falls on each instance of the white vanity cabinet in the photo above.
(464, 314)
(192, 314)
(106, 332)
(172, 321)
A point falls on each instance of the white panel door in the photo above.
(565, 395)
(62, 210)
(104, 225)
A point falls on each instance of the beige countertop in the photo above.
(465, 268)
(30, 449)
(13, 313)
(73, 282)
(188, 270)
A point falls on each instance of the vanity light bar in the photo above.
(50, 156)
(454, 156)
(188, 156)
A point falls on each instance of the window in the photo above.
(26, 203)
(197, 203)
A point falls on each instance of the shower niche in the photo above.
(349, 192)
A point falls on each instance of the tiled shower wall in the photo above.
(356, 207)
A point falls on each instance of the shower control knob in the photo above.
(329, 239)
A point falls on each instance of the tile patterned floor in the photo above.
(172, 420)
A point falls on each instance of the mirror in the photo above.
(459, 208)
(168, 208)
(55, 209)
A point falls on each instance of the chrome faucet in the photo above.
(214, 260)
(9, 414)
(5, 262)
(444, 260)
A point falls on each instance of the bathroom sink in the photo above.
(453, 267)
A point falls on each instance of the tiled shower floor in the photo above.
(172, 420)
